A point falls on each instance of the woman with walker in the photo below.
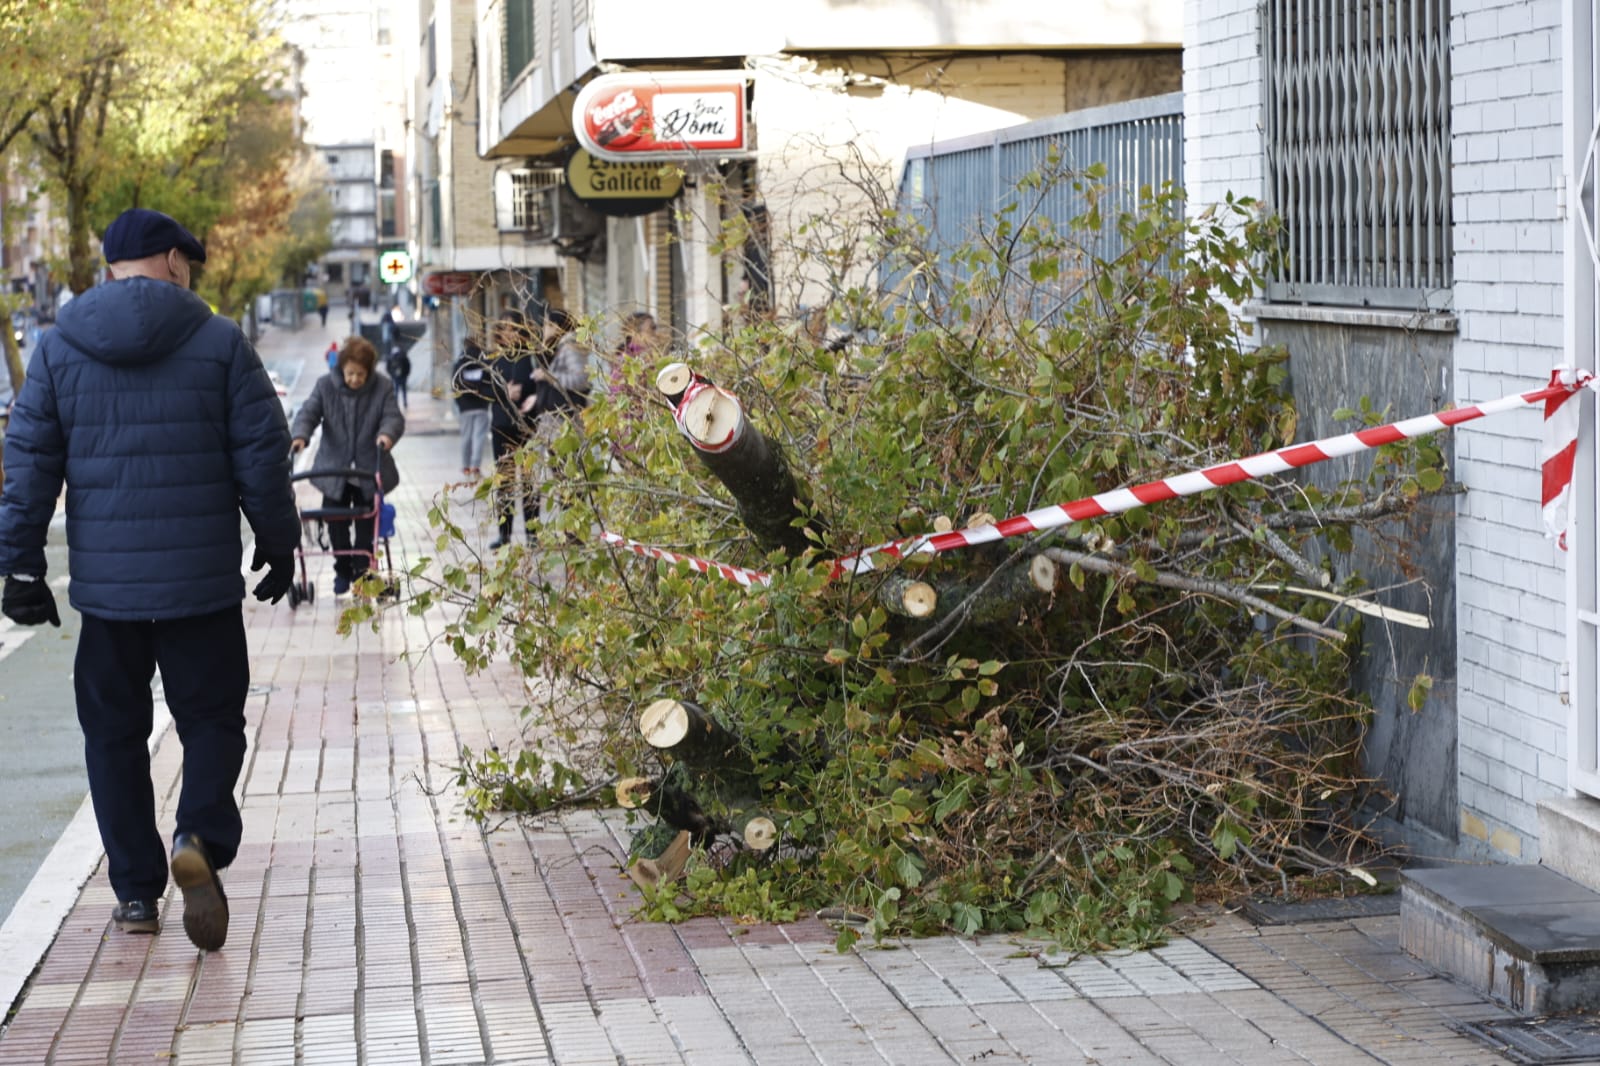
(358, 414)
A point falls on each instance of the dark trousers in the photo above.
(205, 672)
(514, 481)
(351, 534)
(400, 392)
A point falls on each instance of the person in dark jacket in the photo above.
(356, 408)
(164, 426)
(511, 363)
(399, 368)
(473, 386)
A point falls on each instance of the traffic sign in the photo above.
(394, 268)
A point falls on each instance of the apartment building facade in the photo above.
(836, 94)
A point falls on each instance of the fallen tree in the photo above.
(1062, 733)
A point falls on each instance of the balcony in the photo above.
(527, 98)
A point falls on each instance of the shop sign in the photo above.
(453, 283)
(654, 115)
(622, 190)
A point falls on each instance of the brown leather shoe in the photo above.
(205, 907)
(138, 916)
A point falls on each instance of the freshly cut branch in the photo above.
(754, 828)
(1002, 594)
(1201, 586)
(907, 596)
(673, 381)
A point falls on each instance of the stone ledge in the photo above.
(1525, 935)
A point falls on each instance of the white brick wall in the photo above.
(1506, 153)
(1506, 86)
(1222, 94)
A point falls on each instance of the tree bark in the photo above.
(751, 467)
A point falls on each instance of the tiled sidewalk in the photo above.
(373, 923)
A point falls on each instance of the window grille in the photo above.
(530, 202)
(1357, 132)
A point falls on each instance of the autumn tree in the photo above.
(137, 92)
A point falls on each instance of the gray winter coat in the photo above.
(164, 425)
(351, 421)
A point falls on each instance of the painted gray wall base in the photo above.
(1404, 374)
(1569, 838)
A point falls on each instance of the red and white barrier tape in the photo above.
(1556, 457)
(737, 574)
(1212, 477)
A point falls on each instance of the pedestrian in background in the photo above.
(322, 306)
(356, 408)
(331, 356)
(399, 367)
(164, 426)
(560, 379)
(510, 362)
(474, 391)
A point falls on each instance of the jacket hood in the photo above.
(132, 321)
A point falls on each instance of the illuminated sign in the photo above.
(394, 267)
(678, 115)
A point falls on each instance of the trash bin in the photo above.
(308, 299)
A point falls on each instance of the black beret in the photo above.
(139, 232)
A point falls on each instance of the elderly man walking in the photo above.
(164, 425)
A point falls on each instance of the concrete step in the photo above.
(1526, 936)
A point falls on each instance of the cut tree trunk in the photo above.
(750, 466)
(999, 596)
(688, 733)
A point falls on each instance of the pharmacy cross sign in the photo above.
(395, 267)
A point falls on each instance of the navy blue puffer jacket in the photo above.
(164, 425)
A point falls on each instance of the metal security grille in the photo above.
(1357, 130)
(956, 187)
(532, 205)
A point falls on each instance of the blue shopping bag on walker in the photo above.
(386, 520)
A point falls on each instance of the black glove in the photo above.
(280, 575)
(29, 603)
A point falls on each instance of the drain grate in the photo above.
(1264, 912)
(1537, 1041)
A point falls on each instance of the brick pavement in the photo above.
(373, 923)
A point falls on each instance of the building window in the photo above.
(433, 53)
(335, 272)
(518, 39)
(529, 203)
(386, 169)
(1357, 135)
(435, 214)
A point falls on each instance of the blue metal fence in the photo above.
(956, 187)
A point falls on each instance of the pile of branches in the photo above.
(1062, 733)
